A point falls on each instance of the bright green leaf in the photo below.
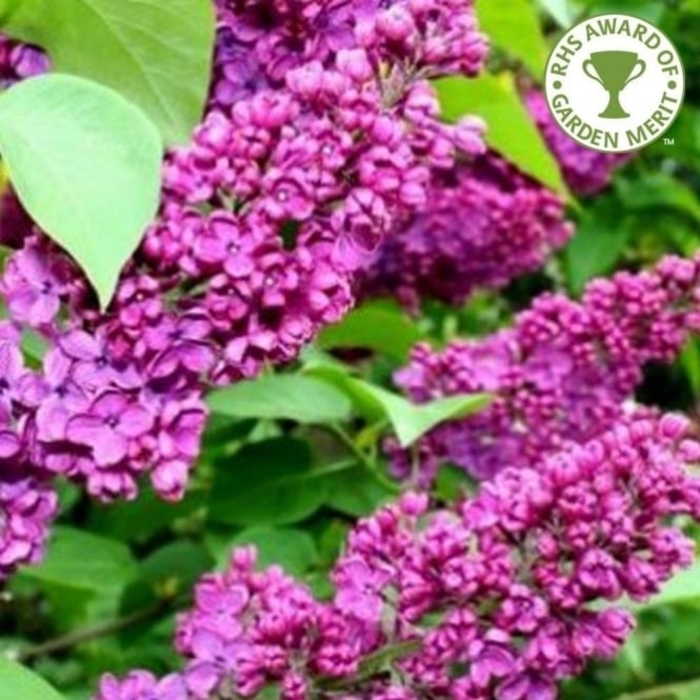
(157, 53)
(374, 327)
(510, 130)
(689, 691)
(80, 560)
(86, 165)
(411, 421)
(513, 25)
(19, 683)
(564, 12)
(273, 482)
(294, 397)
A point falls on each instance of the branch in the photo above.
(88, 634)
(671, 691)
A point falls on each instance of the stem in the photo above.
(661, 692)
(373, 664)
(364, 460)
(88, 634)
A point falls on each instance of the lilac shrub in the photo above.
(497, 598)
(562, 373)
(486, 224)
(321, 129)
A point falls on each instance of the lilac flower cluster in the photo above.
(27, 503)
(586, 172)
(563, 372)
(499, 598)
(486, 224)
(321, 129)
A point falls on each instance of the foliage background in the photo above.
(290, 462)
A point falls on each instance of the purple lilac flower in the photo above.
(587, 172)
(19, 61)
(214, 297)
(563, 373)
(108, 426)
(33, 287)
(27, 506)
(250, 253)
(486, 224)
(502, 596)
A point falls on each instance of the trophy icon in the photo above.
(614, 71)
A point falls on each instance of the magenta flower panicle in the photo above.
(500, 597)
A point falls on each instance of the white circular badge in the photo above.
(615, 83)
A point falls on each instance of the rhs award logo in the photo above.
(614, 83)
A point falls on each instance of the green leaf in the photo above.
(684, 587)
(510, 131)
(82, 578)
(513, 25)
(86, 165)
(83, 561)
(451, 483)
(282, 396)
(293, 550)
(375, 327)
(156, 53)
(19, 683)
(689, 690)
(145, 517)
(601, 237)
(659, 191)
(168, 572)
(356, 493)
(411, 421)
(273, 482)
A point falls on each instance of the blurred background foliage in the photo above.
(292, 475)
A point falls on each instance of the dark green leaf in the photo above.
(294, 397)
(156, 53)
(80, 560)
(600, 239)
(19, 683)
(86, 164)
(510, 131)
(375, 327)
(165, 574)
(659, 191)
(144, 517)
(273, 482)
(451, 483)
(513, 25)
(356, 493)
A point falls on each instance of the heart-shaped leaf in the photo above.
(86, 164)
